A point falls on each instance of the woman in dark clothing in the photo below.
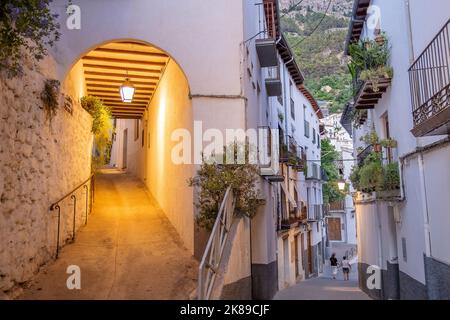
(334, 265)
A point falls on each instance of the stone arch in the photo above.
(160, 107)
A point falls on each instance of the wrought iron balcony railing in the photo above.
(364, 154)
(429, 78)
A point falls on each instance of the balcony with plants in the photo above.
(292, 154)
(376, 175)
(370, 70)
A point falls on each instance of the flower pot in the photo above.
(380, 40)
(377, 148)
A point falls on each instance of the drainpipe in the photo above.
(409, 31)
(423, 195)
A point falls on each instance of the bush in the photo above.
(213, 179)
(101, 128)
(25, 26)
(391, 176)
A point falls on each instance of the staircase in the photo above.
(218, 250)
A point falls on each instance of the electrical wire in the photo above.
(317, 26)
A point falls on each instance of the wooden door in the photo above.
(334, 229)
(310, 263)
(297, 272)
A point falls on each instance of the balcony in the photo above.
(316, 173)
(364, 154)
(429, 78)
(337, 206)
(314, 212)
(266, 46)
(369, 93)
(370, 70)
(273, 82)
(292, 154)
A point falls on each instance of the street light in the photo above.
(127, 91)
(341, 185)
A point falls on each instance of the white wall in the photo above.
(203, 37)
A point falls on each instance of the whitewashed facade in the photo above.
(407, 236)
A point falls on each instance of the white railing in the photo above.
(212, 256)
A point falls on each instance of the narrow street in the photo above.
(326, 288)
(128, 250)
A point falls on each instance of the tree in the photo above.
(331, 192)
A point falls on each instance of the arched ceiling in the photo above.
(106, 68)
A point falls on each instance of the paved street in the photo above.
(326, 288)
(128, 250)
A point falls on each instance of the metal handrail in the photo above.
(87, 185)
(212, 256)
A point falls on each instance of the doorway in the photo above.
(310, 262)
(286, 260)
(125, 149)
(297, 271)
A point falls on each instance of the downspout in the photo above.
(423, 188)
(286, 127)
(423, 195)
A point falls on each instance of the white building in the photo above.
(341, 220)
(406, 234)
(192, 63)
(287, 234)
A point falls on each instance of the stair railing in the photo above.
(89, 186)
(212, 256)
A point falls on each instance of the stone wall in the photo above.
(40, 161)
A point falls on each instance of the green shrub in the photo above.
(391, 176)
(213, 179)
(101, 128)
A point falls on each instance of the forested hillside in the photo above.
(318, 43)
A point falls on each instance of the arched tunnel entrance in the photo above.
(138, 243)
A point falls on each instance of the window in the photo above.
(387, 134)
(318, 141)
(292, 109)
(306, 123)
(136, 129)
(306, 129)
(314, 136)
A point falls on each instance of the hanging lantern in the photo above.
(341, 185)
(127, 91)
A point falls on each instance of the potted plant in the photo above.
(380, 38)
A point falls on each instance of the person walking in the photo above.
(334, 265)
(346, 268)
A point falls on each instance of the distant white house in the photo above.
(341, 218)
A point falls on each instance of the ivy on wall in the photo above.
(102, 129)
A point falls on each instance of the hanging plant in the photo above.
(27, 27)
(102, 129)
(50, 97)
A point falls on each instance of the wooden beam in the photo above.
(124, 61)
(119, 75)
(105, 93)
(115, 87)
(106, 100)
(123, 104)
(126, 117)
(122, 68)
(134, 52)
(119, 82)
